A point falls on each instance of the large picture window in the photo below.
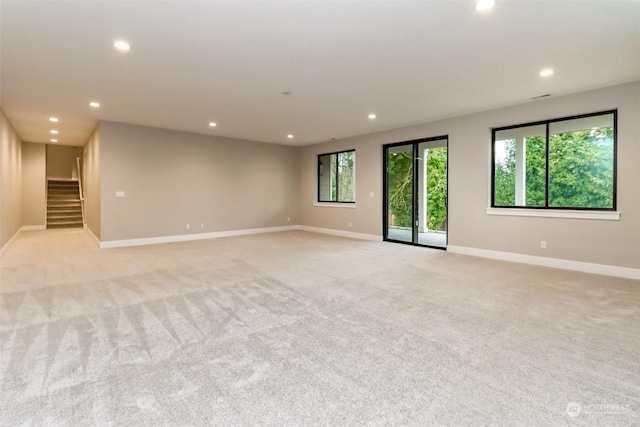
(567, 163)
(337, 177)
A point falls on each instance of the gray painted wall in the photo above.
(91, 182)
(10, 181)
(34, 183)
(173, 178)
(614, 243)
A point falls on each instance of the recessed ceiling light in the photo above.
(546, 72)
(212, 124)
(53, 119)
(94, 104)
(55, 132)
(372, 116)
(121, 45)
(482, 5)
(289, 136)
(54, 140)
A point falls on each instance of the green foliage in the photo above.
(346, 162)
(505, 173)
(334, 177)
(535, 179)
(580, 170)
(337, 176)
(400, 180)
(436, 188)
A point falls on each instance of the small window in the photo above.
(337, 177)
(567, 163)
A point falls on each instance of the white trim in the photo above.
(189, 237)
(51, 178)
(550, 213)
(6, 247)
(585, 267)
(334, 205)
(341, 233)
(34, 227)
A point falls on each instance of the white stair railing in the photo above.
(80, 187)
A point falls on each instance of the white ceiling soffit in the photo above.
(230, 62)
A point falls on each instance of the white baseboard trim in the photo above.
(341, 233)
(189, 237)
(6, 247)
(585, 267)
(34, 227)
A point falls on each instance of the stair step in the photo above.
(66, 225)
(64, 183)
(63, 199)
(64, 219)
(66, 209)
(63, 189)
(58, 208)
(65, 195)
(64, 215)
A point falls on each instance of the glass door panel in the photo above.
(399, 193)
(416, 192)
(432, 193)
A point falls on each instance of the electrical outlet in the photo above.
(350, 224)
(543, 244)
(202, 225)
(288, 219)
(188, 226)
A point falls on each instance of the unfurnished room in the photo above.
(301, 213)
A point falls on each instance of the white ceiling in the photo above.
(229, 62)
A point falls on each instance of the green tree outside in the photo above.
(580, 170)
(346, 162)
(400, 188)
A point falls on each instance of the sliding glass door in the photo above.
(415, 181)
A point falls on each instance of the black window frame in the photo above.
(547, 124)
(318, 175)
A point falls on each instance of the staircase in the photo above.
(64, 209)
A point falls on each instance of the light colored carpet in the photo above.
(301, 329)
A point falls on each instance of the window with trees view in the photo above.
(567, 163)
(337, 177)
